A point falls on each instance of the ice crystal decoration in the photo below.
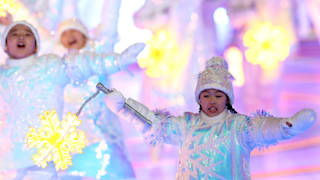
(56, 140)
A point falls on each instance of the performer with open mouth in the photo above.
(216, 142)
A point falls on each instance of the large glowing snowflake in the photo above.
(267, 44)
(55, 141)
(162, 56)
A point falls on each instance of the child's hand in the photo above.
(129, 56)
(6, 20)
(115, 101)
(301, 121)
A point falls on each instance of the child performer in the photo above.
(216, 142)
(102, 126)
(31, 84)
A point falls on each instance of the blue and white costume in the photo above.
(105, 156)
(215, 147)
(35, 84)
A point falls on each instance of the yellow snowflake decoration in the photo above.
(267, 44)
(55, 141)
(162, 56)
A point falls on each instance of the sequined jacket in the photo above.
(99, 122)
(216, 148)
(105, 151)
(30, 86)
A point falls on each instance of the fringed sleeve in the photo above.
(157, 127)
(264, 130)
(167, 129)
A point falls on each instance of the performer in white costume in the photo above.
(31, 84)
(105, 156)
(216, 142)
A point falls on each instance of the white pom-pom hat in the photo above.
(72, 24)
(8, 28)
(215, 76)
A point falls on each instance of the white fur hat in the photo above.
(215, 76)
(8, 28)
(72, 24)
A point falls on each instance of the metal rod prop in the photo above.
(89, 99)
(105, 90)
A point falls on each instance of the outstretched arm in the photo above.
(264, 130)
(157, 127)
(81, 66)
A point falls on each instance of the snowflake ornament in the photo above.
(55, 140)
(267, 44)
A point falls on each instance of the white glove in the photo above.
(115, 101)
(129, 56)
(300, 122)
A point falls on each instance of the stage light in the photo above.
(235, 60)
(220, 16)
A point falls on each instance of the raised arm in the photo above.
(87, 64)
(157, 127)
(264, 130)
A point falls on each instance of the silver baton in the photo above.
(105, 90)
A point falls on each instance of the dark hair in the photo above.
(230, 108)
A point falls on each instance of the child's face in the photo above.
(20, 42)
(212, 102)
(73, 39)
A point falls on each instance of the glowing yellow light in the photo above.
(11, 6)
(234, 57)
(55, 141)
(163, 58)
(267, 45)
